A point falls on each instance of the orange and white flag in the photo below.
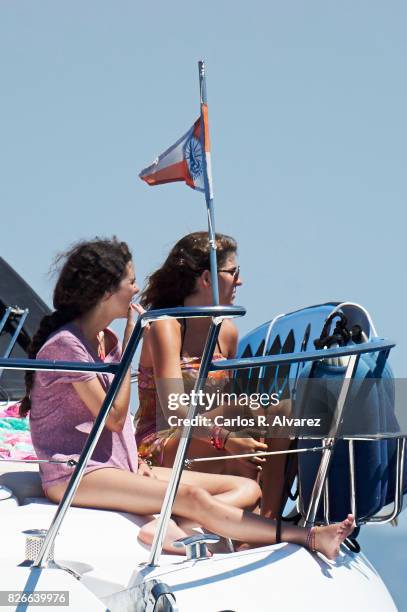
(184, 161)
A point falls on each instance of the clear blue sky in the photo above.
(307, 103)
(307, 113)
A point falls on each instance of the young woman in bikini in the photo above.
(95, 286)
(172, 351)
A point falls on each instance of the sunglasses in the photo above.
(234, 272)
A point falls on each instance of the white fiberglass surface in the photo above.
(104, 544)
(106, 541)
(282, 577)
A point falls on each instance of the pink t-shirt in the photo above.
(60, 422)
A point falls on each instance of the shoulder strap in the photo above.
(184, 333)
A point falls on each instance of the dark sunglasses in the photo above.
(235, 272)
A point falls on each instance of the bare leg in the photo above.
(232, 490)
(202, 448)
(115, 489)
(272, 477)
(273, 473)
(175, 531)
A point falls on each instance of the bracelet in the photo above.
(146, 460)
(216, 438)
(310, 540)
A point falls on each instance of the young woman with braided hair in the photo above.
(96, 286)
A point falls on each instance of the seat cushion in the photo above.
(23, 484)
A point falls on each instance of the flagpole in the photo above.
(208, 182)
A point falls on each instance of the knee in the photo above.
(198, 499)
(248, 490)
(252, 490)
(55, 493)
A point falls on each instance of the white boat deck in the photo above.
(102, 547)
(103, 540)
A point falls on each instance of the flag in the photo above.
(184, 161)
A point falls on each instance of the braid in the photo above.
(48, 325)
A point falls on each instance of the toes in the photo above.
(348, 522)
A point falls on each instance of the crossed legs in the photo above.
(114, 489)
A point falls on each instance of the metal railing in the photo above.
(373, 346)
(217, 313)
(320, 487)
(12, 313)
(353, 352)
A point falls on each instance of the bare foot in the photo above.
(329, 538)
(147, 532)
(174, 532)
(241, 546)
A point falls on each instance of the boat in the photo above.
(58, 555)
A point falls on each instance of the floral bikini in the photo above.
(152, 431)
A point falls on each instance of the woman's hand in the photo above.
(138, 308)
(239, 446)
(133, 308)
(145, 470)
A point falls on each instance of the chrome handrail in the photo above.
(398, 493)
(5, 317)
(9, 313)
(179, 461)
(69, 462)
(56, 366)
(217, 312)
(352, 474)
(90, 445)
(353, 352)
(301, 357)
(23, 314)
(329, 442)
(292, 451)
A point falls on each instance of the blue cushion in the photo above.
(374, 407)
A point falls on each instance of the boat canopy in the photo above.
(21, 306)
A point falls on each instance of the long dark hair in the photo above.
(88, 270)
(168, 286)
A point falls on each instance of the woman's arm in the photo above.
(229, 339)
(164, 338)
(92, 393)
(164, 342)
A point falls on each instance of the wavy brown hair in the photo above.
(87, 270)
(168, 286)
